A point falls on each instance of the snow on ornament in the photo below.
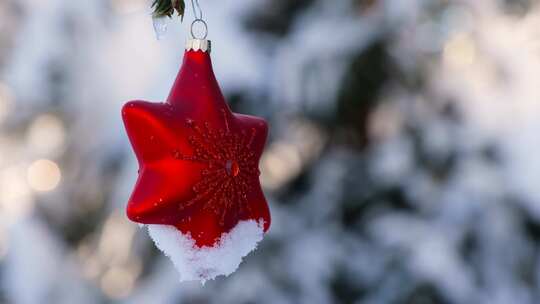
(198, 188)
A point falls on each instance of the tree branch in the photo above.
(166, 8)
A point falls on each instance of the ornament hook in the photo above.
(197, 13)
(196, 8)
(205, 33)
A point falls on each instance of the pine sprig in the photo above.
(167, 8)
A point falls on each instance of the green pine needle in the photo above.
(166, 8)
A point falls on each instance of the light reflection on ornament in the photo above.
(232, 168)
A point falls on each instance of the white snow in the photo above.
(206, 263)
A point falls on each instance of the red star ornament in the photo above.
(198, 161)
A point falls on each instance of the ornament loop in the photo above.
(195, 3)
(205, 29)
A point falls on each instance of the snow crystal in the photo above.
(206, 263)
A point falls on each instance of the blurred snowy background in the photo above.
(402, 166)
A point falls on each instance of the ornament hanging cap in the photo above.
(198, 41)
(198, 45)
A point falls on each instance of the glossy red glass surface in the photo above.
(198, 161)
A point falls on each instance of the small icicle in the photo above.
(160, 26)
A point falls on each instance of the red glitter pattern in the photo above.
(230, 172)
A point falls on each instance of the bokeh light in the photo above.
(15, 195)
(459, 51)
(117, 282)
(46, 134)
(43, 175)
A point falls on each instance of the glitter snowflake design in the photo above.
(231, 168)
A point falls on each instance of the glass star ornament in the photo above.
(198, 188)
